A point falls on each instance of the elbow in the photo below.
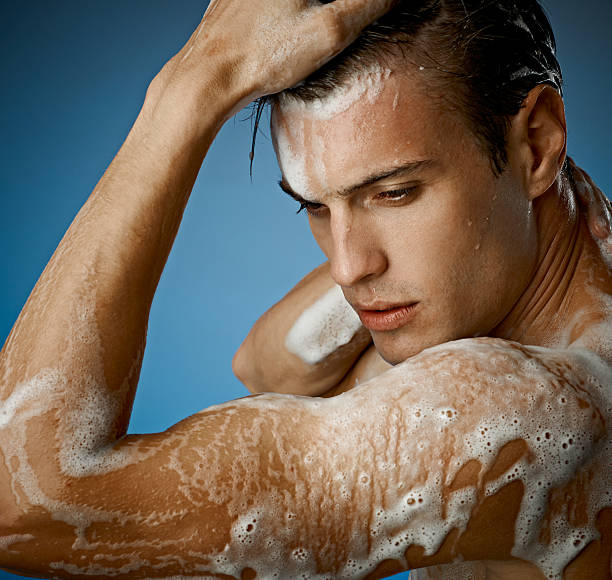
(242, 367)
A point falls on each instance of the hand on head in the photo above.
(266, 46)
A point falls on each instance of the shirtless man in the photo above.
(485, 456)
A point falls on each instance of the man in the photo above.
(481, 450)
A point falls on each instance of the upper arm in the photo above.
(453, 454)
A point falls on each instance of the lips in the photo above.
(384, 319)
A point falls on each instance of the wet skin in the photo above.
(482, 255)
(278, 485)
(510, 256)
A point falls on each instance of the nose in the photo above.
(355, 256)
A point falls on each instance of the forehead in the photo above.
(383, 118)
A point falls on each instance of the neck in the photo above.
(564, 302)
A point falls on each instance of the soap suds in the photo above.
(307, 174)
(302, 485)
(411, 508)
(292, 164)
(7, 541)
(358, 475)
(323, 328)
(364, 86)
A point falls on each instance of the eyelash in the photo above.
(310, 207)
(392, 195)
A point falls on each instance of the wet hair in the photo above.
(481, 56)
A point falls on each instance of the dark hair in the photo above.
(484, 56)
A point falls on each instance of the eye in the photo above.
(398, 195)
(311, 208)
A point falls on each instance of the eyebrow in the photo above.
(405, 170)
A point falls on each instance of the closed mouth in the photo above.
(389, 318)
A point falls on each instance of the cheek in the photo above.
(434, 237)
(441, 249)
(319, 227)
(469, 229)
(507, 236)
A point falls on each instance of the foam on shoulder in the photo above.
(7, 541)
(346, 483)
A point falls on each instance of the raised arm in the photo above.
(86, 319)
(77, 346)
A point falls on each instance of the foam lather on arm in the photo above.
(323, 328)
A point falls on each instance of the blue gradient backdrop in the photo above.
(74, 75)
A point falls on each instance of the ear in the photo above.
(537, 140)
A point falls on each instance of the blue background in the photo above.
(74, 74)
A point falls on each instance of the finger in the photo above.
(349, 17)
(598, 194)
(599, 209)
(602, 205)
(586, 197)
(584, 191)
(596, 216)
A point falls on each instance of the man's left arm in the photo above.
(472, 450)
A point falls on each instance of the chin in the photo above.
(394, 352)
(393, 355)
(392, 360)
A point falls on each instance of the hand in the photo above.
(597, 205)
(266, 46)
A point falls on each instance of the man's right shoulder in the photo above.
(497, 364)
(488, 414)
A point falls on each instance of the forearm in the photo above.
(84, 324)
(86, 318)
(306, 343)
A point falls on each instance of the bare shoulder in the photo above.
(490, 416)
(497, 371)
(476, 450)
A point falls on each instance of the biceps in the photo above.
(391, 474)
